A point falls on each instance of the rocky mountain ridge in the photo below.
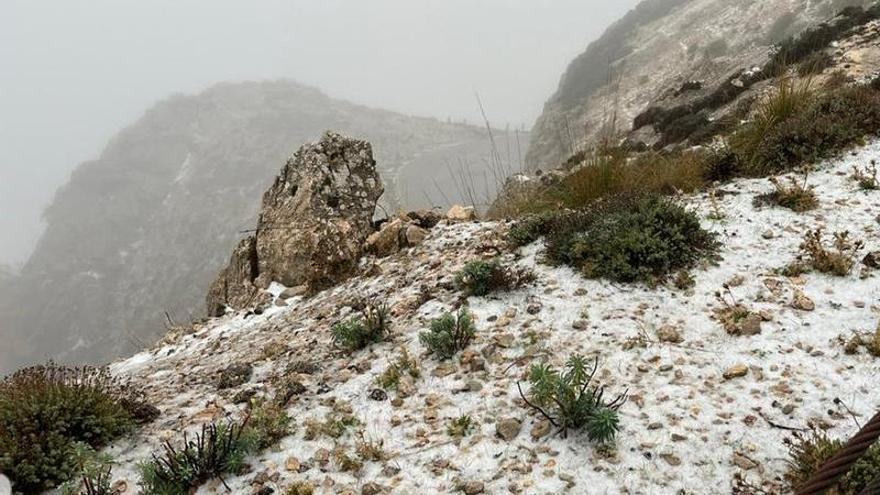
(664, 52)
(143, 229)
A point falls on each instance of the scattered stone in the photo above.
(459, 213)
(743, 462)
(244, 396)
(378, 394)
(579, 324)
(473, 487)
(801, 302)
(291, 292)
(668, 333)
(372, 488)
(234, 375)
(736, 371)
(872, 259)
(540, 429)
(508, 428)
(671, 459)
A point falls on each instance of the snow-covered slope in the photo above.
(685, 429)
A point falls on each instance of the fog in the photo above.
(72, 73)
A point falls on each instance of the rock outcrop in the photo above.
(312, 224)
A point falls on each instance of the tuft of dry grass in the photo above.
(794, 195)
(867, 177)
(838, 259)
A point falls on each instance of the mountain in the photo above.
(662, 53)
(144, 228)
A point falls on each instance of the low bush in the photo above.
(48, 412)
(808, 132)
(479, 277)
(865, 470)
(795, 196)
(530, 228)
(568, 400)
(815, 63)
(838, 259)
(630, 239)
(449, 334)
(219, 449)
(358, 332)
(335, 425)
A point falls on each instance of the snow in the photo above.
(675, 389)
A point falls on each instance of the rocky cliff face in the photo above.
(145, 227)
(661, 53)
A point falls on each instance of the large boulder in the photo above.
(312, 224)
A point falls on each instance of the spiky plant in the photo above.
(568, 400)
(358, 332)
(449, 334)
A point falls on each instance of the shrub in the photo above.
(93, 473)
(404, 364)
(217, 450)
(449, 334)
(628, 239)
(360, 331)
(806, 454)
(300, 487)
(867, 177)
(836, 260)
(569, 402)
(49, 411)
(530, 228)
(803, 134)
(479, 278)
(795, 196)
(865, 470)
(869, 340)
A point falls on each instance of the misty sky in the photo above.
(73, 72)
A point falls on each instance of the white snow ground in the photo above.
(683, 427)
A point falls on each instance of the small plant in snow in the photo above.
(460, 427)
(735, 317)
(268, 423)
(370, 450)
(369, 327)
(867, 177)
(838, 259)
(449, 334)
(219, 449)
(796, 196)
(404, 365)
(806, 454)
(568, 400)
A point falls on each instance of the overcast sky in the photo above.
(73, 72)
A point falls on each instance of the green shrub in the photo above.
(449, 334)
(479, 277)
(815, 63)
(48, 412)
(568, 400)
(530, 228)
(93, 473)
(217, 450)
(360, 331)
(867, 178)
(808, 133)
(865, 470)
(630, 239)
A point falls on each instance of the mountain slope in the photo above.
(144, 228)
(704, 407)
(648, 56)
